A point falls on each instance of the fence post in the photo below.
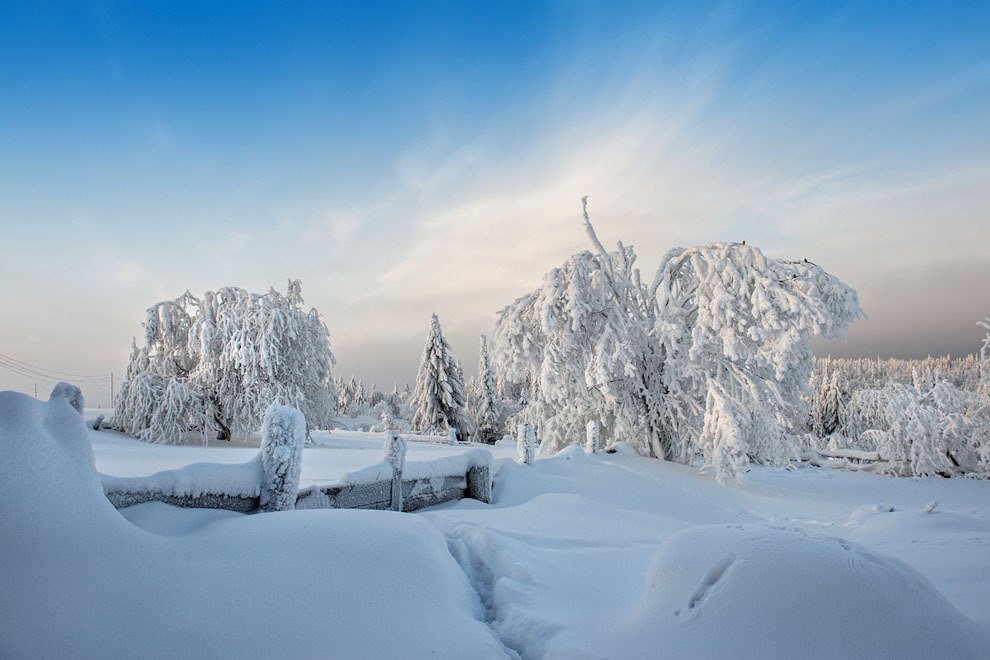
(525, 443)
(593, 444)
(452, 436)
(283, 436)
(395, 453)
(479, 483)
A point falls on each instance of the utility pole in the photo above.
(111, 389)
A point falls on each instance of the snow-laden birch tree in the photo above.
(439, 397)
(214, 365)
(596, 342)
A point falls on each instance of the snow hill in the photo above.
(580, 556)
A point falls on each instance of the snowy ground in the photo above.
(611, 555)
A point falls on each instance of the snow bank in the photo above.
(49, 485)
(775, 593)
(79, 580)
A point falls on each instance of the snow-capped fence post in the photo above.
(479, 482)
(593, 444)
(70, 392)
(395, 453)
(283, 437)
(525, 443)
(452, 436)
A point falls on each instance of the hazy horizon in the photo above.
(403, 159)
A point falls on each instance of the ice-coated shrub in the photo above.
(284, 434)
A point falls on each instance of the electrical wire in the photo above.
(34, 367)
(30, 373)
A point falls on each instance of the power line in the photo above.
(40, 376)
(34, 367)
(31, 373)
(27, 374)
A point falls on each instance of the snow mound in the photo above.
(49, 486)
(757, 591)
(867, 511)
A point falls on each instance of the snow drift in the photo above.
(79, 580)
(775, 593)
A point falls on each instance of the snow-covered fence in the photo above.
(394, 484)
(449, 438)
(268, 482)
(854, 460)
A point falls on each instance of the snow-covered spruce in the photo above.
(874, 373)
(211, 366)
(829, 405)
(70, 392)
(284, 434)
(595, 342)
(484, 400)
(985, 359)
(439, 397)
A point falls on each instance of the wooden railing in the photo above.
(391, 484)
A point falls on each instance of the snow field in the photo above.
(580, 556)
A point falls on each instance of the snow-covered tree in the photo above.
(866, 410)
(828, 406)
(214, 365)
(484, 409)
(439, 396)
(722, 439)
(985, 359)
(595, 342)
(386, 421)
(394, 401)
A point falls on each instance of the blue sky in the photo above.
(405, 158)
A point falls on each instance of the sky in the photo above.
(415, 157)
